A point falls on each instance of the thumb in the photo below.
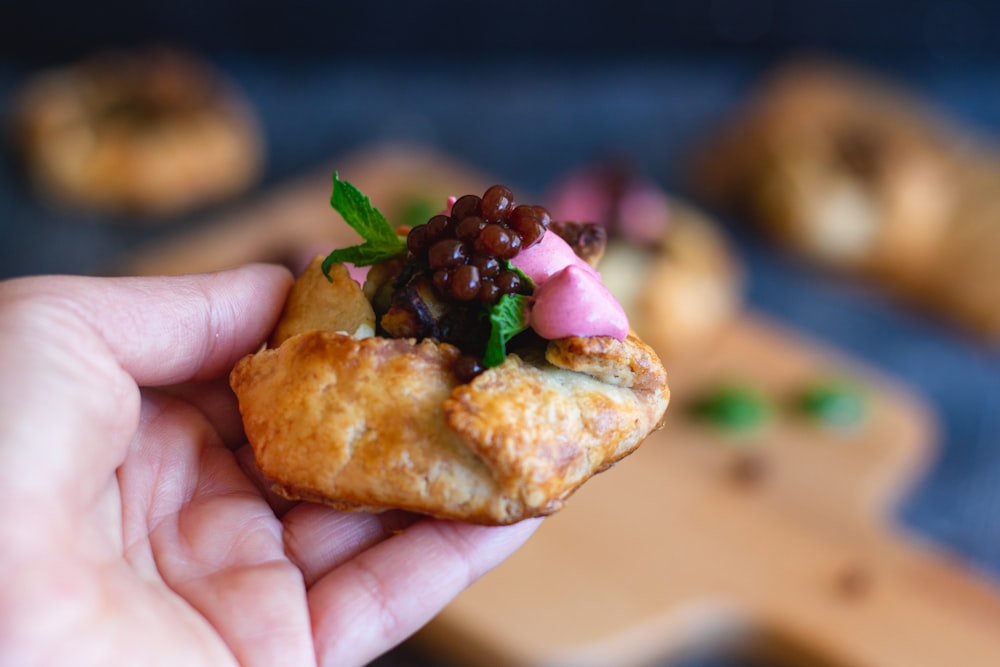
(169, 330)
(74, 349)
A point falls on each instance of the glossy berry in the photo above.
(467, 367)
(416, 240)
(508, 282)
(468, 228)
(496, 204)
(488, 291)
(465, 250)
(495, 239)
(442, 281)
(447, 254)
(465, 283)
(465, 206)
(530, 222)
(488, 266)
(437, 229)
(523, 217)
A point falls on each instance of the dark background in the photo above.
(49, 30)
(528, 90)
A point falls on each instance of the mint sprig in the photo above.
(381, 241)
(508, 317)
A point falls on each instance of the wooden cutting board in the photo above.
(781, 540)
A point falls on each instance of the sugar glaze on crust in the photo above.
(373, 423)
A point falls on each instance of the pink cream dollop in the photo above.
(569, 298)
(547, 257)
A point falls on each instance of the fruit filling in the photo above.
(480, 273)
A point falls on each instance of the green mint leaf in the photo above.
(365, 254)
(381, 241)
(508, 317)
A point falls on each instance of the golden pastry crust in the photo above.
(358, 424)
(316, 303)
(153, 133)
(631, 364)
(544, 430)
(384, 423)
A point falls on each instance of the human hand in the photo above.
(135, 529)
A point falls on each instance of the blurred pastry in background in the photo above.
(852, 173)
(668, 264)
(151, 133)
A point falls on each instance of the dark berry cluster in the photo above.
(464, 250)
